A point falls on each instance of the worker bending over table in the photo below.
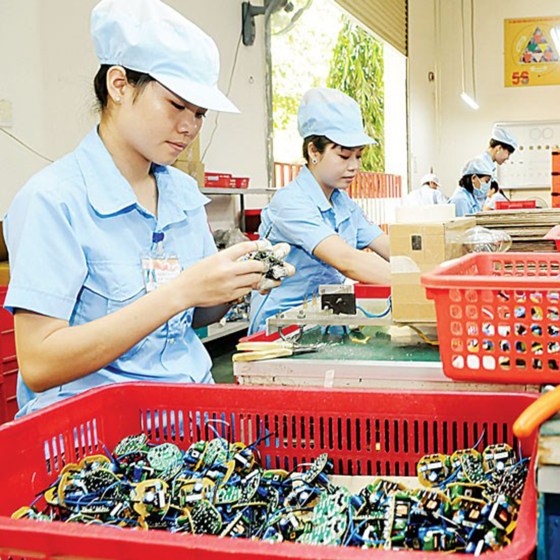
(327, 231)
(473, 188)
(112, 260)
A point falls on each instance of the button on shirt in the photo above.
(300, 214)
(76, 233)
(465, 202)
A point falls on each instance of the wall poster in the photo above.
(531, 57)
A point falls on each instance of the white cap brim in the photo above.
(201, 95)
(350, 140)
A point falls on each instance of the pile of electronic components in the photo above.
(467, 502)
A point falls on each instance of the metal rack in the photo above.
(239, 192)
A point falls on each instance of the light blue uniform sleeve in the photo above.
(367, 232)
(300, 224)
(207, 238)
(462, 205)
(47, 264)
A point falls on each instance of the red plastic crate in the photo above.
(8, 363)
(515, 204)
(498, 317)
(239, 182)
(221, 180)
(365, 432)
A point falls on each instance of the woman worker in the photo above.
(473, 187)
(325, 228)
(501, 146)
(495, 194)
(92, 233)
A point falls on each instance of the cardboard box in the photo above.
(194, 169)
(416, 249)
(191, 154)
(3, 248)
(4, 273)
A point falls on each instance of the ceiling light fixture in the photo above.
(468, 98)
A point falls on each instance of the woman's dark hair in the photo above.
(320, 143)
(508, 147)
(466, 182)
(494, 186)
(137, 79)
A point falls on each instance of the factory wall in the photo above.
(47, 65)
(444, 131)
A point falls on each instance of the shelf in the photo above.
(527, 188)
(216, 330)
(241, 192)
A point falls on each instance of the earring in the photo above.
(314, 161)
(118, 99)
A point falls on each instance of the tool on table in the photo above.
(538, 412)
(254, 351)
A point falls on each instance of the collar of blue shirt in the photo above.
(342, 206)
(110, 193)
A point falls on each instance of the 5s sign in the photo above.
(531, 57)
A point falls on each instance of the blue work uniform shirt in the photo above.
(491, 162)
(465, 202)
(300, 214)
(76, 233)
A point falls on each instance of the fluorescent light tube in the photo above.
(469, 101)
(555, 34)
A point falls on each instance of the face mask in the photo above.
(483, 190)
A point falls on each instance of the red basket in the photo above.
(365, 432)
(8, 363)
(498, 317)
(515, 204)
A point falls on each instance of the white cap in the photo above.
(502, 135)
(429, 178)
(150, 37)
(480, 165)
(331, 113)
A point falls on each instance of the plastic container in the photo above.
(498, 317)
(365, 432)
(8, 362)
(253, 219)
(515, 204)
(371, 291)
(239, 183)
(217, 180)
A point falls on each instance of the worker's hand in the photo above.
(284, 270)
(221, 278)
(280, 251)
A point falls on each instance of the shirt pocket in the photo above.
(108, 288)
(187, 241)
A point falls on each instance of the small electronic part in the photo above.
(340, 299)
(273, 258)
(432, 469)
(473, 469)
(498, 457)
(206, 518)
